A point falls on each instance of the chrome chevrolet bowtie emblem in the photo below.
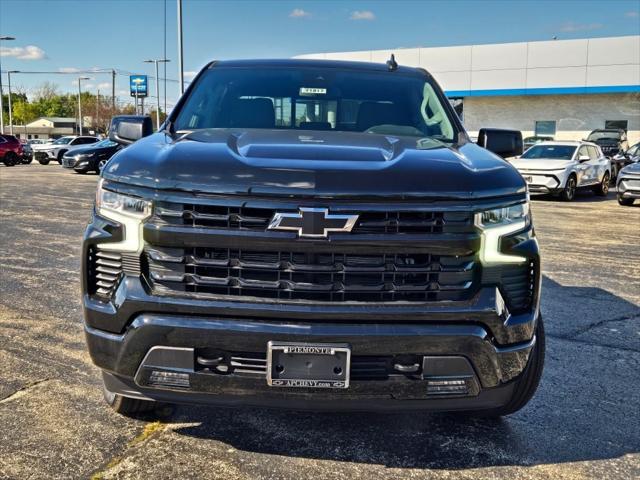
(313, 222)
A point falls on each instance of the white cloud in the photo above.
(632, 14)
(579, 27)
(362, 15)
(104, 85)
(68, 70)
(299, 13)
(30, 52)
(189, 75)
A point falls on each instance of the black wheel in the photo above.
(527, 384)
(626, 202)
(44, 162)
(128, 406)
(60, 155)
(83, 172)
(603, 188)
(10, 159)
(569, 190)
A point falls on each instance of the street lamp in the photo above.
(80, 103)
(163, 60)
(10, 108)
(2, 38)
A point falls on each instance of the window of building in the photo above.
(622, 124)
(545, 128)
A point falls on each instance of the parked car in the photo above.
(632, 155)
(39, 141)
(92, 158)
(531, 141)
(560, 168)
(628, 184)
(372, 260)
(27, 153)
(611, 141)
(44, 153)
(10, 150)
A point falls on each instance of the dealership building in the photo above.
(561, 88)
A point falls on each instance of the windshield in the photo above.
(388, 103)
(105, 143)
(63, 140)
(552, 152)
(611, 134)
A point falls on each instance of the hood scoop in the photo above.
(300, 145)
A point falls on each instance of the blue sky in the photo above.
(62, 35)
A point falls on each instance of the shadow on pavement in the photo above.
(585, 409)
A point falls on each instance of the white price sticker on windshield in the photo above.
(312, 91)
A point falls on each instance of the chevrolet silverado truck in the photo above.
(316, 235)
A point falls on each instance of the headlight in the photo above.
(495, 224)
(126, 210)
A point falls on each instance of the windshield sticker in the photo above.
(310, 91)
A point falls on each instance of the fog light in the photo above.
(447, 387)
(169, 379)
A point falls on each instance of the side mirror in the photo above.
(505, 143)
(584, 158)
(126, 129)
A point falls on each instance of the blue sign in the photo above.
(138, 85)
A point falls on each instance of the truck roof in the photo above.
(314, 63)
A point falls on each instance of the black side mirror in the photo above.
(506, 143)
(126, 129)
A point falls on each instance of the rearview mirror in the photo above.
(505, 143)
(126, 129)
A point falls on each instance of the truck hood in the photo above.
(313, 163)
(540, 164)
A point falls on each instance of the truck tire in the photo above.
(527, 384)
(603, 188)
(569, 191)
(10, 159)
(128, 406)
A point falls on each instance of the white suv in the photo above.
(561, 168)
(44, 153)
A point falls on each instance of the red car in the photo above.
(10, 150)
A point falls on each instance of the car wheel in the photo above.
(128, 406)
(527, 384)
(83, 172)
(60, 155)
(101, 165)
(626, 202)
(27, 161)
(44, 162)
(603, 189)
(10, 159)
(569, 190)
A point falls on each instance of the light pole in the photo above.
(80, 103)
(180, 59)
(10, 108)
(2, 38)
(163, 60)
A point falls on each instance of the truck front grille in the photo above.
(326, 277)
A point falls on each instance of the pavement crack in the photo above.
(150, 430)
(599, 323)
(24, 390)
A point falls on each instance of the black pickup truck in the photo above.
(313, 235)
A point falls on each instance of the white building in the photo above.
(564, 88)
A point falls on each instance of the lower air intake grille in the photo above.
(518, 286)
(105, 271)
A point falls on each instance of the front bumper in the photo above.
(69, 162)
(629, 186)
(544, 182)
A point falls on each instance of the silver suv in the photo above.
(560, 168)
(44, 153)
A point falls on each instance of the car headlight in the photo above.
(495, 224)
(129, 211)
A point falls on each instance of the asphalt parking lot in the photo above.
(583, 423)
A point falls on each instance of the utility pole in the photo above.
(180, 59)
(97, 121)
(2, 38)
(10, 108)
(113, 91)
(163, 60)
(80, 102)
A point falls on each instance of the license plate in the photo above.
(528, 179)
(308, 365)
